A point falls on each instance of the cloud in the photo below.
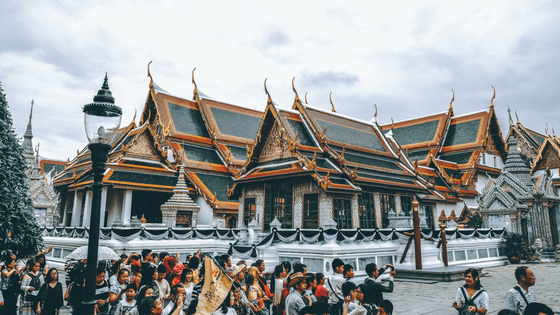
(328, 78)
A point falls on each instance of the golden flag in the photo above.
(215, 289)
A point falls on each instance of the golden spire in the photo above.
(493, 97)
(392, 124)
(296, 100)
(375, 115)
(305, 97)
(194, 82)
(509, 115)
(546, 129)
(332, 105)
(452, 99)
(553, 133)
(151, 79)
(516, 116)
(266, 91)
(134, 118)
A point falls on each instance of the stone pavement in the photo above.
(436, 299)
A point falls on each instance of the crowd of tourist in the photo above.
(150, 283)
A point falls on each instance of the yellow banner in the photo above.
(215, 289)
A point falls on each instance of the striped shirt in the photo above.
(516, 303)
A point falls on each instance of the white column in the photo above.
(127, 206)
(87, 208)
(103, 206)
(76, 209)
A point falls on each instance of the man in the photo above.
(299, 267)
(377, 288)
(294, 300)
(519, 296)
(151, 305)
(334, 287)
(146, 257)
(177, 299)
(348, 272)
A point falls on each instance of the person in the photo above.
(267, 293)
(101, 292)
(68, 268)
(287, 266)
(197, 290)
(225, 308)
(334, 287)
(1, 297)
(155, 259)
(295, 300)
(124, 306)
(507, 312)
(385, 308)
(175, 278)
(276, 286)
(77, 269)
(377, 288)
(194, 262)
(238, 305)
(348, 272)
(115, 268)
(117, 292)
(349, 290)
(8, 286)
(299, 267)
(163, 285)
(188, 285)
(135, 274)
(42, 261)
(176, 300)
(75, 293)
(144, 293)
(317, 308)
(471, 295)
(151, 305)
(365, 297)
(49, 299)
(320, 292)
(520, 296)
(32, 282)
(146, 257)
(253, 292)
(311, 286)
(149, 277)
(538, 309)
(169, 262)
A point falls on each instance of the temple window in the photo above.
(429, 216)
(249, 210)
(311, 211)
(406, 205)
(342, 209)
(387, 205)
(366, 208)
(278, 203)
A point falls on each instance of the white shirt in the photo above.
(167, 310)
(481, 301)
(278, 287)
(335, 281)
(516, 303)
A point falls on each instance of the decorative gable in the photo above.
(275, 147)
(550, 158)
(142, 146)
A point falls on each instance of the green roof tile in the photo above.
(462, 133)
(187, 120)
(236, 124)
(422, 132)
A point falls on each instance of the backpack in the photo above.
(371, 310)
(464, 310)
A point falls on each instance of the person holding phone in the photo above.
(176, 299)
(376, 287)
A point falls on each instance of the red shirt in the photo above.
(320, 291)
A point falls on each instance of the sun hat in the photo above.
(296, 277)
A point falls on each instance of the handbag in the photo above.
(464, 310)
(266, 288)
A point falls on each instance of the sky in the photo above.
(403, 56)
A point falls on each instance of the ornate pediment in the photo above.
(142, 146)
(550, 159)
(276, 146)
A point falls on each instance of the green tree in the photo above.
(19, 230)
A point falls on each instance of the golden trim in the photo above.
(149, 75)
(332, 105)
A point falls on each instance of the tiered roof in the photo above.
(447, 148)
(341, 153)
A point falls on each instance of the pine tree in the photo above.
(19, 230)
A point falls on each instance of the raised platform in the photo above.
(440, 274)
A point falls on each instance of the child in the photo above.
(126, 305)
(164, 288)
(385, 308)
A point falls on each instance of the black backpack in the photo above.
(464, 310)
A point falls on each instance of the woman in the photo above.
(41, 259)
(320, 292)
(101, 293)
(276, 286)
(75, 294)
(117, 291)
(194, 262)
(254, 293)
(311, 286)
(135, 276)
(169, 262)
(187, 283)
(364, 296)
(238, 305)
(9, 281)
(175, 278)
(115, 268)
(49, 299)
(149, 277)
(471, 295)
(32, 282)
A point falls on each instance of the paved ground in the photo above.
(436, 299)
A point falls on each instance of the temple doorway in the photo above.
(148, 203)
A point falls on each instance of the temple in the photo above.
(290, 176)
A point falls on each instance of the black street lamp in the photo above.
(102, 119)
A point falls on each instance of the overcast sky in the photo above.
(403, 56)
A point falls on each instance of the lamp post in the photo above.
(102, 119)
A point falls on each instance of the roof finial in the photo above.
(516, 116)
(546, 129)
(31, 112)
(305, 97)
(194, 82)
(332, 105)
(134, 118)
(266, 91)
(294, 89)
(150, 75)
(553, 133)
(375, 115)
(392, 124)
(452, 99)
(493, 97)
(509, 114)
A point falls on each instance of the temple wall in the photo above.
(500, 221)
(114, 205)
(540, 222)
(206, 213)
(252, 191)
